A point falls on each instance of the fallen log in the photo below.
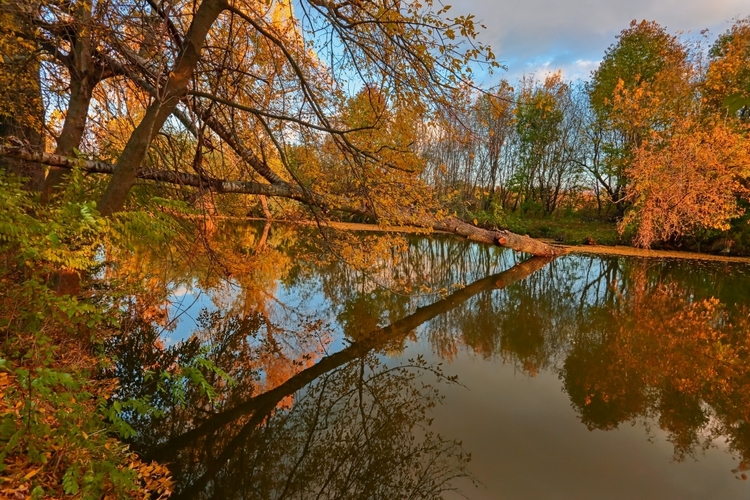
(502, 238)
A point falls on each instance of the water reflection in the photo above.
(317, 409)
(356, 429)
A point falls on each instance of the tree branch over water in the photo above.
(503, 238)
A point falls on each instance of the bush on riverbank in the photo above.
(59, 433)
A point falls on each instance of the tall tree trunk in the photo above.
(81, 90)
(128, 163)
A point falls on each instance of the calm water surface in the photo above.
(584, 377)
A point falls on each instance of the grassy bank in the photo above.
(576, 229)
(586, 229)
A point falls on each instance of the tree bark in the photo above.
(81, 66)
(503, 238)
(264, 204)
(166, 176)
(32, 171)
(25, 100)
(128, 163)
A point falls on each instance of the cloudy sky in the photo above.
(535, 36)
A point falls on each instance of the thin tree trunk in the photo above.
(72, 132)
(264, 238)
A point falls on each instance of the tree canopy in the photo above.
(249, 79)
(240, 97)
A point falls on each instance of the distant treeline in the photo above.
(656, 139)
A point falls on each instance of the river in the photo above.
(439, 368)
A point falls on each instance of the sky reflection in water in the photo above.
(548, 358)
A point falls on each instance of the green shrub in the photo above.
(58, 430)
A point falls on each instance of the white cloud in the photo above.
(572, 35)
(579, 69)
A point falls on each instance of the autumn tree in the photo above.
(449, 146)
(678, 169)
(466, 151)
(641, 84)
(521, 147)
(686, 178)
(384, 128)
(249, 80)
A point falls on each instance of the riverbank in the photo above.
(591, 248)
(592, 232)
(640, 252)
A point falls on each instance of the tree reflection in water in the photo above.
(660, 342)
(358, 428)
(668, 355)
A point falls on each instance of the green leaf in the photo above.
(37, 493)
(70, 480)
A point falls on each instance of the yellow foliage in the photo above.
(729, 70)
(687, 177)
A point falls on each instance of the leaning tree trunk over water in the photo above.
(450, 224)
(173, 90)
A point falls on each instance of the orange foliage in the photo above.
(684, 178)
(684, 360)
(729, 70)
